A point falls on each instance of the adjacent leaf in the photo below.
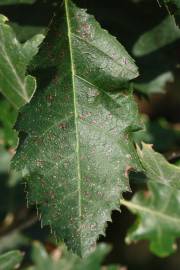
(158, 218)
(13, 2)
(5, 158)
(163, 34)
(14, 58)
(157, 168)
(76, 132)
(8, 116)
(13, 239)
(156, 85)
(155, 132)
(176, 12)
(25, 32)
(10, 260)
(158, 209)
(174, 2)
(68, 261)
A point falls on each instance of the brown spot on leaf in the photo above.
(1, 142)
(147, 194)
(56, 254)
(39, 163)
(12, 151)
(62, 126)
(50, 98)
(82, 117)
(128, 170)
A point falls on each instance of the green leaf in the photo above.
(66, 260)
(161, 35)
(158, 218)
(10, 260)
(5, 158)
(158, 208)
(78, 146)
(14, 58)
(13, 239)
(25, 32)
(14, 2)
(174, 2)
(157, 168)
(8, 116)
(171, 4)
(155, 132)
(156, 85)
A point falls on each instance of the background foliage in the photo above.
(152, 37)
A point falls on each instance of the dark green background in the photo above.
(127, 21)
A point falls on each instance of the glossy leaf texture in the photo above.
(10, 260)
(158, 207)
(76, 133)
(61, 259)
(15, 85)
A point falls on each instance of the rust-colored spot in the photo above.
(82, 117)
(50, 98)
(128, 170)
(62, 126)
(147, 194)
(38, 140)
(50, 247)
(62, 54)
(94, 122)
(149, 145)
(52, 195)
(39, 163)
(43, 183)
(55, 79)
(12, 151)
(66, 98)
(56, 254)
(85, 28)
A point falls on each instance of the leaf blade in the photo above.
(14, 84)
(79, 144)
(68, 261)
(10, 260)
(157, 209)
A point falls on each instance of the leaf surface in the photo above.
(158, 208)
(68, 261)
(155, 132)
(14, 58)
(157, 168)
(77, 144)
(157, 38)
(175, 6)
(156, 85)
(10, 260)
(8, 116)
(163, 34)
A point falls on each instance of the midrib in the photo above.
(75, 104)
